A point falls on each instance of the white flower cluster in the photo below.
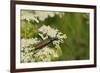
(42, 15)
(48, 31)
(46, 54)
(28, 52)
(27, 42)
(43, 55)
(51, 32)
(26, 55)
(28, 15)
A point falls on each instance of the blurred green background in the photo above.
(75, 25)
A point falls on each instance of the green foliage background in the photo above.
(74, 25)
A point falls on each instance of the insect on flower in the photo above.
(45, 43)
(51, 36)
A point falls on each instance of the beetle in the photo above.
(45, 42)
